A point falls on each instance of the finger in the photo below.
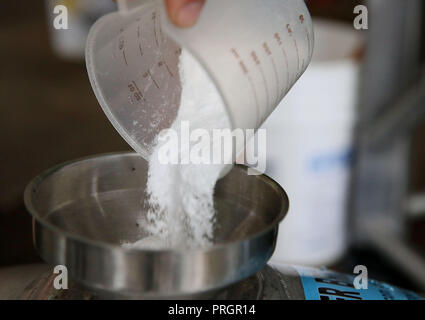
(184, 13)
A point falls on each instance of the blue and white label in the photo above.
(326, 285)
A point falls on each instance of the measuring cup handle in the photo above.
(125, 6)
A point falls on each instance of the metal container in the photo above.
(83, 210)
(273, 282)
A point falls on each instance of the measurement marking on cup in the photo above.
(136, 91)
(308, 41)
(280, 43)
(177, 53)
(140, 49)
(168, 69)
(288, 27)
(246, 73)
(148, 73)
(260, 68)
(154, 28)
(255, 97)
(269, 53)
(121, 47)
(165, 63)
(125, 58)
(298, 53)
(302, 19)
(139, 37)
(160, 28)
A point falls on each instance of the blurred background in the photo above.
(347, 143)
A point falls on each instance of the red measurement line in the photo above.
(266, 86)
(257, 106)
(277, 80)
(308, 41)
(138, 90)
(153, 80)
(287, 67)
(298, 53)
(246, 73)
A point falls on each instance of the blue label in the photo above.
(326, 285)
(326, 162)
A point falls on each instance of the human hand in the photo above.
(184, 13)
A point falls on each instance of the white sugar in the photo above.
(181, 195)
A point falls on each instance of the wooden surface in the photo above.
(49, 115)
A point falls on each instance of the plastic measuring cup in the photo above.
(254, 51)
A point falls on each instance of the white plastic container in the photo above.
(309, 145)
(254, 54)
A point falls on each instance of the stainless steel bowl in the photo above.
(83, 210)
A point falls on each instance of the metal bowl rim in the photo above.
(35, 182)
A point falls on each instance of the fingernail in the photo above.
(189, 13)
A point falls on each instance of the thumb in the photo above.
(184, 13)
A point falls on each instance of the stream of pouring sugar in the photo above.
(181, 195)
